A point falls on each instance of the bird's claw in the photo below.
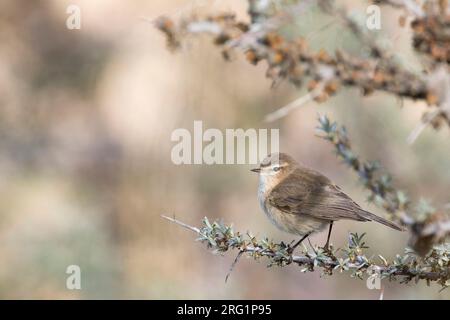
(290, 249)
(327, 249)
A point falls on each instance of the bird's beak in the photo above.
(255, 170)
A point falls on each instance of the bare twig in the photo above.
(284, 111)
(233, 264)
(184, 225)
(412, 137)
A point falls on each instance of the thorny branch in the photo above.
(434, 267)
(287, 57)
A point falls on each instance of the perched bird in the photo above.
(302, 201)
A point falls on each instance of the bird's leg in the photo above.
(328, 237)
(298, 242)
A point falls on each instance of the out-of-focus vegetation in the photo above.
(85, 171)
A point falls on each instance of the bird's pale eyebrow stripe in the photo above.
(265, 165)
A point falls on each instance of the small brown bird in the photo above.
(302, 201)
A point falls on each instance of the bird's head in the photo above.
(276, 166)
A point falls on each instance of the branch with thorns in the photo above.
(434, 267)
(427, 225)
(262, 39)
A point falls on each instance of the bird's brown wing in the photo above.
(308, 192)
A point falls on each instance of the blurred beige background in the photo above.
(85, 169)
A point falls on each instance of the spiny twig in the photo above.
(221, 238)
(290, 58)
(427, 225)
(184, 225)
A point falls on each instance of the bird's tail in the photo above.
(371, 216)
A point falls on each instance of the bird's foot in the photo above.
(290, 249)
(327, 248)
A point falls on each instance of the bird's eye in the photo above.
(276, 168)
